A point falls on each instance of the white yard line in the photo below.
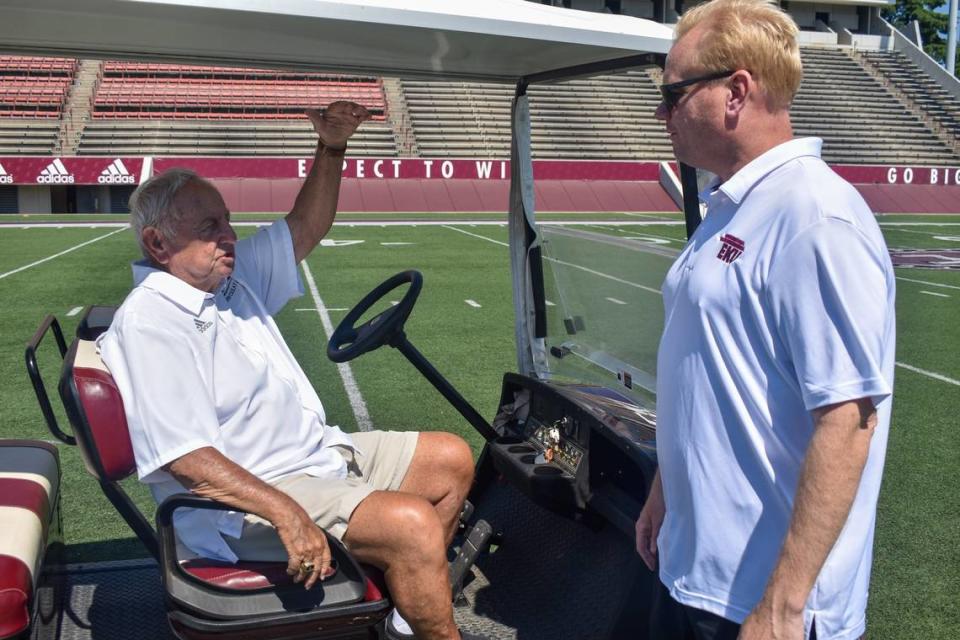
(930, 284)
(606, 275)
(616, 301)
(328, 309)
(476, 235)
(922, 233)
(473, 303)
(346, 373)
(74, 311)
(931, 293)
(929, 374)
(919, 224)
(566, 264)
(549, 304)
(57, 255)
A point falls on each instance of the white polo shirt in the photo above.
(197, 369)
(781, 302)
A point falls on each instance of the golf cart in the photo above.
(570, 455)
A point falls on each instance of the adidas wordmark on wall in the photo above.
(5, 178)
(55, 173)
(116, 173)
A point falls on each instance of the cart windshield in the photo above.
(603, 304)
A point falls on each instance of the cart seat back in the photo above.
(29, 490)
(95, 409)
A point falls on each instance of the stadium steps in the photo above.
(398, 116)
(76, 110)
(918, 90)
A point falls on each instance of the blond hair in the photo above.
(755, 35)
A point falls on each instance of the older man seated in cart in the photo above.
(217, 405)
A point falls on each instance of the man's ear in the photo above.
(156, 245)
(741, 85)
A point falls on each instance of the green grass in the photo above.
(348, 216)
(917, 558)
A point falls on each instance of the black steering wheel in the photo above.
(348, 342)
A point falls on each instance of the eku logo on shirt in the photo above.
(731, 248)
(201, 325)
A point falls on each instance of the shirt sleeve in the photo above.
(166, 400)
(266, 263)
(830, 298)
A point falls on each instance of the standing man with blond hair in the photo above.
(779, 321)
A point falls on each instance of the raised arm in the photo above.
(316, 204)
(828, 484)
(210, 474)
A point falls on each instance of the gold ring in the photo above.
(306, 567)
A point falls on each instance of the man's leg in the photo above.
(403, 535)
(667, 618)
(671, 620)
(442, 472)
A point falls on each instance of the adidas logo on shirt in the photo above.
(5, 178)
(116, 173)
(55, 173)
(201, 325)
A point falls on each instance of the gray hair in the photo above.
(152, 204)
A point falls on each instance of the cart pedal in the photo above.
(476, 542)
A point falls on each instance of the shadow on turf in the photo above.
(117, 549)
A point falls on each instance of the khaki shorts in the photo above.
(380, 465)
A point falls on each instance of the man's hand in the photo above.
(308, 554)
(767, 622)
(337, 122)
(649, 522)
(209, 473)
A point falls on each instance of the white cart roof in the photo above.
(499, 40)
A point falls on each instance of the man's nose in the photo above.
(662, 112)
(230, 236)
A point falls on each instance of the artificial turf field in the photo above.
(917, 555)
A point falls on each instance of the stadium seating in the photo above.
(608, 117)
(222, 138)
(869, 107)
(860, 120)
(144, 108)
(32, 94)
(172, 91)
(612, 117)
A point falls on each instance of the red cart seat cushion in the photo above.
(29, 484)
(248, 576)
(103, 407)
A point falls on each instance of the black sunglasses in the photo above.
(671, 93)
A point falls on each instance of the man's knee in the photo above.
(451, 454)
(397, 524)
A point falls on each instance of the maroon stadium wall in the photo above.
(445, 185)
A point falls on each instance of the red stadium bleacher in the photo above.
(33, 87)
(149, 90)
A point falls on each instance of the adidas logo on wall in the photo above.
(116, 173)
(5, 178)
(55, 173)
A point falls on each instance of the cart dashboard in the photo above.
(584, 451)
